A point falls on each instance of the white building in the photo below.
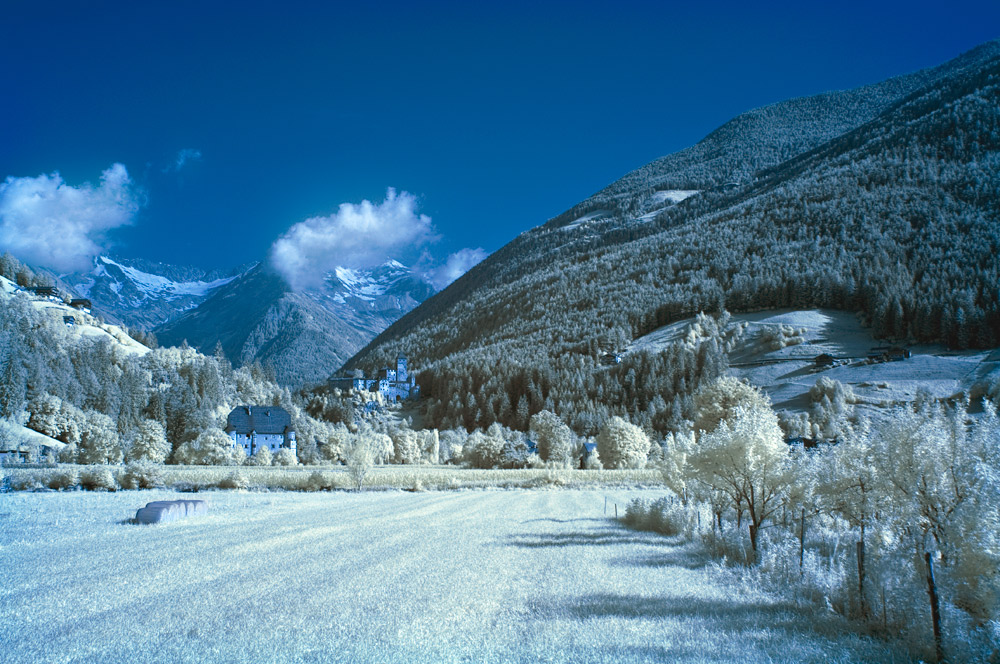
(252, 427)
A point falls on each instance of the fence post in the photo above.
(935, 609)
(802, 539)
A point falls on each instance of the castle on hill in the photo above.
(394, 384)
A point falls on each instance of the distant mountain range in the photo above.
(302, 336)
(142, 294)
(251, 311)
(883, 200)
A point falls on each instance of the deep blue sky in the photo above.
(497, 117)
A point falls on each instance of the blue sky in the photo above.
(235, 123)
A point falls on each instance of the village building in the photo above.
(81, 303)
(395, 384)
(251, 428)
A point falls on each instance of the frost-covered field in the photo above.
(458, 576)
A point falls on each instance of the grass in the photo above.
(392, 576)
(297, 478)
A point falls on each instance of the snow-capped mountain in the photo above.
(304, 335)
(143, 294)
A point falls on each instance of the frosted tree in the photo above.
(622, 445)
(148, 442)
(718, 401)
(673, 463)
(942, 476)
(210, 448)
(99, 442)
(360, 456)
(847, 483)
(553, 437)
(747, 459)
(406, 446)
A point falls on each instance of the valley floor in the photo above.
(456, 576)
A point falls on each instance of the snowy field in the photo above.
(459, 576)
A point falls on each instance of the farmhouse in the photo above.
(81, 303)
(251, 428)
(394, 384)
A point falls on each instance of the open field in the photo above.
(458, 576)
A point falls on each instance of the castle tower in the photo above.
(401, 369)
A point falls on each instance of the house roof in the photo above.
(262, 419)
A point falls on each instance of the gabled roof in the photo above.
(262, 419)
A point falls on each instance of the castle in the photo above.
(394, 384)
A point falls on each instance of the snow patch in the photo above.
(590, 216)
(156, 286)
(673, 195)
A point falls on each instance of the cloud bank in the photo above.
(454, 267)
(356, 236)
(48, 223)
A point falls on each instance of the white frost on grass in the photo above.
(484, 576)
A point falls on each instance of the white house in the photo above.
(251, 428)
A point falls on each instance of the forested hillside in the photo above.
(109, 399)
(895, 218)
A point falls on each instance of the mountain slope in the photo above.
(895, 217)
(303, 336)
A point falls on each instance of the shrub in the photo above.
(319, 481)
(98, 479)
(142, 475)
(262, 457)
(285, 457)
(234, 480)
(64, 479)
(26, 483)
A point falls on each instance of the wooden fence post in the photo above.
(935, 609)
(802, 540)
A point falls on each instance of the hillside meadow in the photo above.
(392, 576)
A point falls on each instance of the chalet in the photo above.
(69, 321)
(808, 443)
(589, 449)
(45, 292)
(888, 354)
(82, 304)
(251, 428)
(825, 360)
(394, 384)
(611, 358)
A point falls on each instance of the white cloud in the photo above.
(455, 266)
(183, 156)
(48, 223)
(356, 236)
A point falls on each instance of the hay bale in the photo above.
(165, 511)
